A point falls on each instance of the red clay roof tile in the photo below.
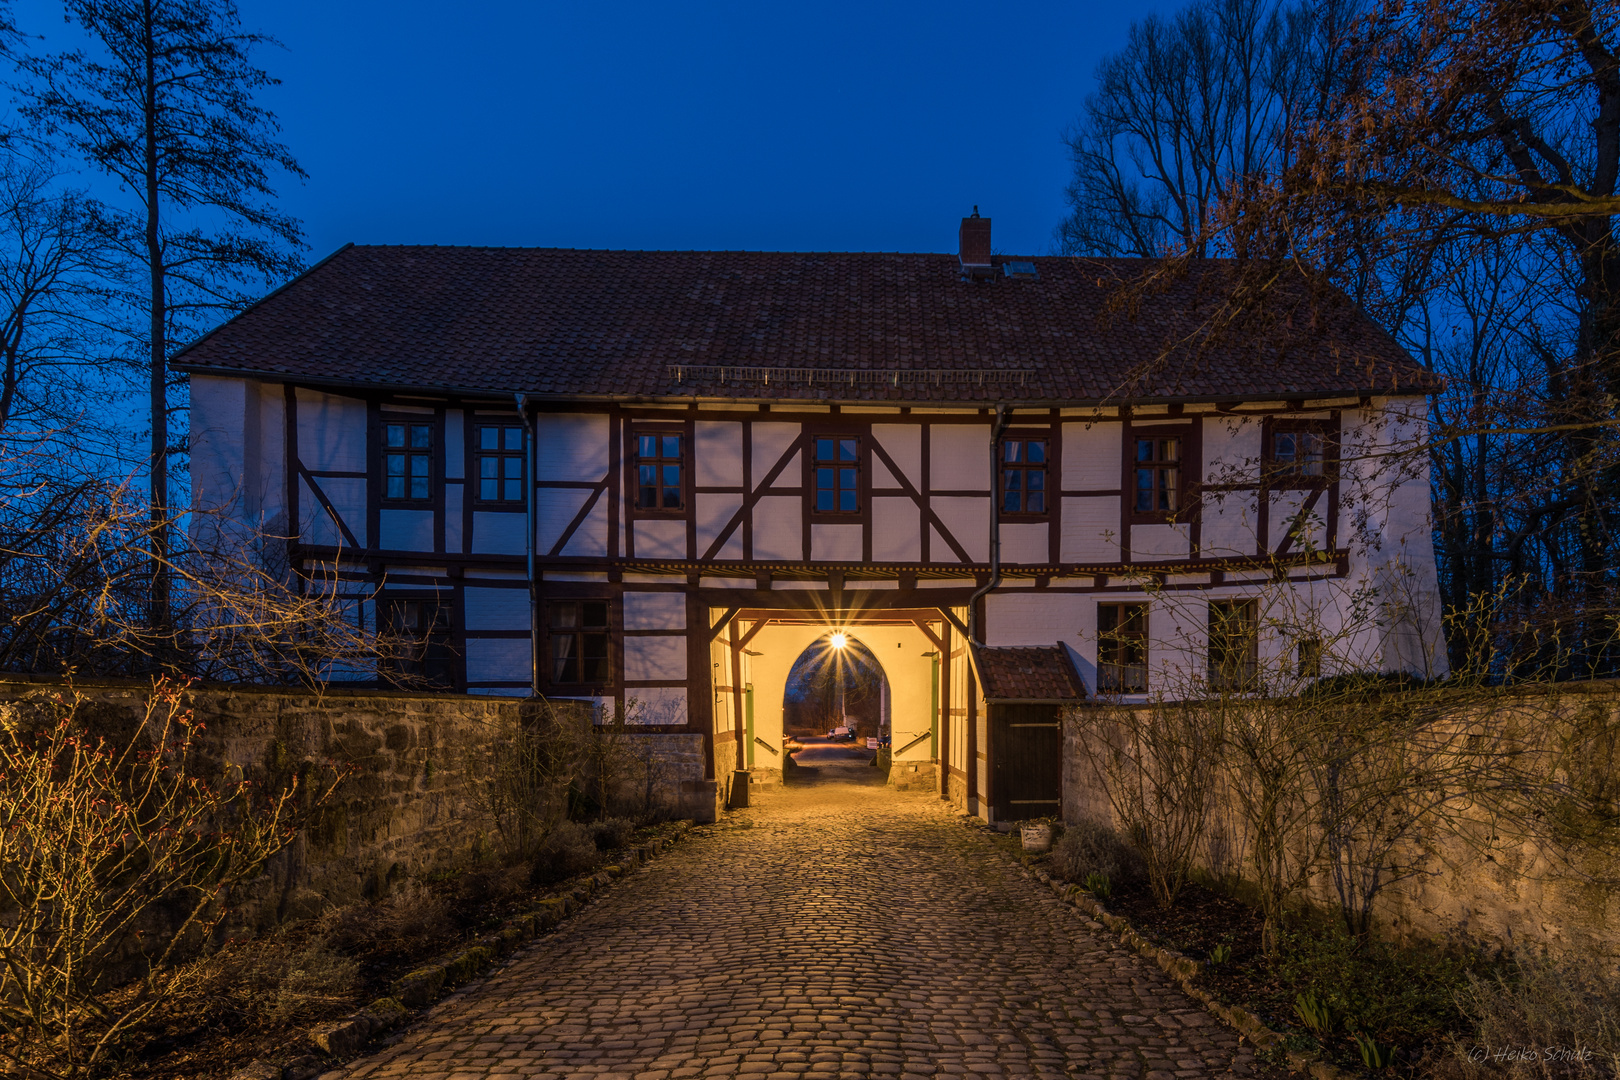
(1027, 673)
(763, 325)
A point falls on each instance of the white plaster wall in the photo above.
(495, 609)
(1312, 530)
(835, 543)
(348, 498)
(554, 508)
(717, 457)
(657, 705)
(453, 539)
(591, 538)
(650, 658)
(968, 519)
(266, 493)
(498, 660)
(1090, 529)
(405, 530)
(714, 512)
(1091, 458)
(959, 457)
(896, 533)
(1156, 543)
(331, 432)
(903, 442)
(654, 611)
(218, 455)
(777, 528)
(1178, 632)
(659, 539)
(1231, 449)
(1026, 543)
(238, 452)
(1230, 524)
(1029, 617)
(571, 446)
(771, 441)
(1385, 461)
(455, 445)
(499, 533)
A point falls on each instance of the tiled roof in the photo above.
(832, 326)
(1027, 673)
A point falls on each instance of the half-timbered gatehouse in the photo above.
(653, 479)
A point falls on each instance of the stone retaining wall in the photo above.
(408, 807)
(1527, 893)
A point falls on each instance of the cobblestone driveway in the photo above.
(835, 929)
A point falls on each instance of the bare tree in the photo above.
(55, 266)
(1191, 105)
(164, 104)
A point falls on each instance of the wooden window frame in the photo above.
(863, 487)
(475, 476)
(449, 637)
(1223, 614)
(610, 631)
(1120, 610)
(1183, 434)
(1040, 435)
(1283, 478)
(634, 430)
(433, 454)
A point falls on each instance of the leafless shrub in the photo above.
(611, 833)
(273, 982)
(1158, 771)
(117, 853)
(568, 849)
(1089, 846)
(1546, 1020)
(523, 784)
(76, 558)
(415, 914)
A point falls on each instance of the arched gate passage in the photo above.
(758, 648)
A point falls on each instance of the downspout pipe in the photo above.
(996, 429)
(528, 545)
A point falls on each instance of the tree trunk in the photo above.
(159, 457)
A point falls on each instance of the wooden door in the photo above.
(1026, 752)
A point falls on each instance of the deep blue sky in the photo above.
(825, 126)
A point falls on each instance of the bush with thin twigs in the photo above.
(273, 982)
(1155, 766)
(409, 921)
(1540, 1021)
(118, 854)
(1088, 847)
(567, 850)
(611, 833)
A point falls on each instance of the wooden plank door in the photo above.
(1026, 749)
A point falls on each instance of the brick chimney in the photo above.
(974, 240)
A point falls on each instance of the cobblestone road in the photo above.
(834, 929)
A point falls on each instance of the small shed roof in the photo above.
(1028, 674)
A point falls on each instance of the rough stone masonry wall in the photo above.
(1521, 895)
(407, 808)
